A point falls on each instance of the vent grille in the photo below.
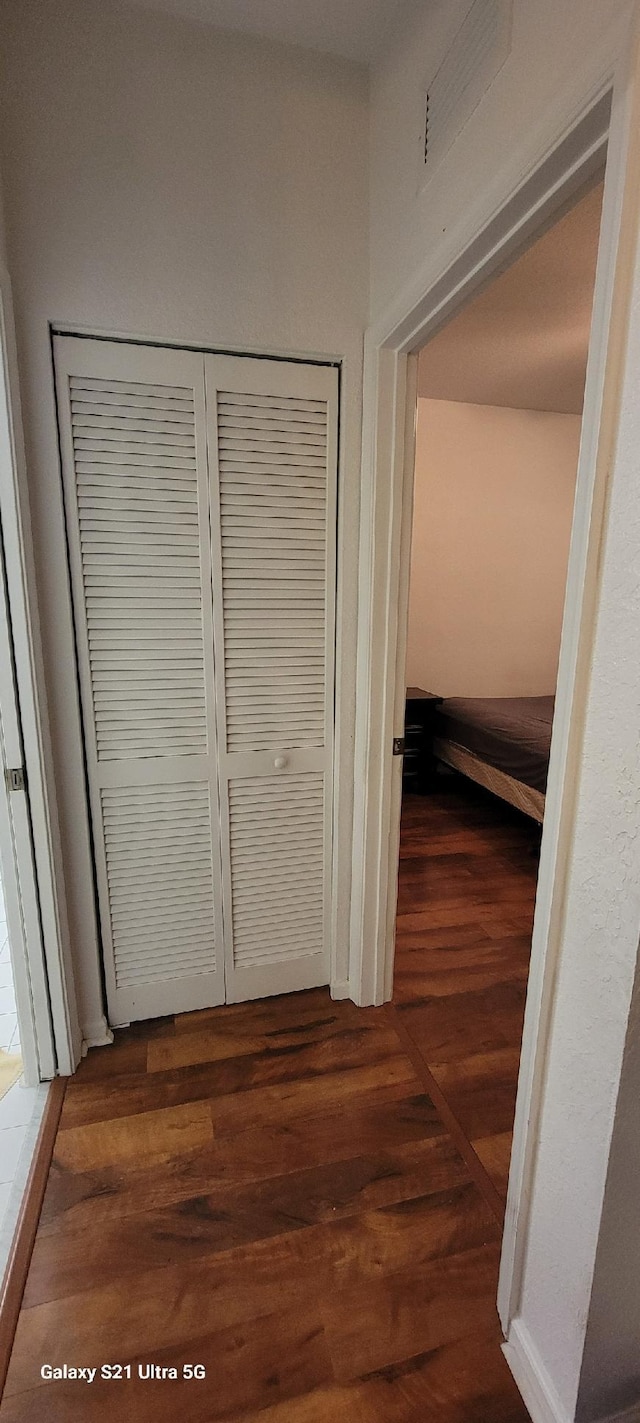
(136, 481)
(478, 52)
(277, 867)
(272, 453)
(159, 872)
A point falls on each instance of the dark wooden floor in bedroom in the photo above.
(468, 872)
(272, 1191)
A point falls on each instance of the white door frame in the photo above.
(35, 894)
(29, 979)
(600, 126)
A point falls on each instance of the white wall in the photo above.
(166, 179)
(562, 56)
(580, 1302)
(610, 1378)
(493, 503)
(559, 54)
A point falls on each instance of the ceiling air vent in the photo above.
(470, 65)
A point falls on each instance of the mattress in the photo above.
(510, 733)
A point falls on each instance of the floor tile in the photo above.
(21, 1138)
(5, 1192)
(7, 999)
(11, 1142)
(16, 1107)
(8, 1024)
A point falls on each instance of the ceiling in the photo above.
(523, 342)
(354, 29)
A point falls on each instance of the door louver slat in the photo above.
(133, 433)
(264, 532)
(274, 437)
(123, 570)
(286, 917)
(141, 921)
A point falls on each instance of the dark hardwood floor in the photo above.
(468, 872)
(270, 1190)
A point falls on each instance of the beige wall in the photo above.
(492, 519)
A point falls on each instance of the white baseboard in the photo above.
(96, 1034)
(536, 1387)
(532, 1378)
(341, 989)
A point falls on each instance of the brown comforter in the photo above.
(510, 733)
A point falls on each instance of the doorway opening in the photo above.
(30, 1055)
(21, 1101)
(499, 411)
(22, 1097)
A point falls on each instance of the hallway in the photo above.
(268, 1189)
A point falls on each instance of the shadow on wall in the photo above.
(493, 503)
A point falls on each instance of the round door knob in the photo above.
(280, 763)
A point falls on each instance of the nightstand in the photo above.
(419, 766)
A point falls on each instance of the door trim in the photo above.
(46, 950)
(496, 230)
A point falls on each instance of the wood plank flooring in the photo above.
(268, 1190)
(468, 872)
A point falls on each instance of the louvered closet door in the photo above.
(272, 430)
(132, 422)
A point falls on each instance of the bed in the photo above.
(502, 743)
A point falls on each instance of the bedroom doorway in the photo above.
(499, 411)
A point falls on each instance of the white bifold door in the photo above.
(200, 496)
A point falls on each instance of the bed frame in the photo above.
(515, 792)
